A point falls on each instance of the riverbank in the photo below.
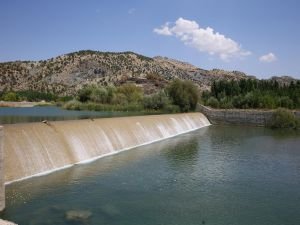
(239, 116)
(23, 104)
(5, 222)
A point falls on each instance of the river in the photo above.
(217, 175)
(11, 115)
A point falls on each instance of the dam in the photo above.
(38, 148)
(204, 175)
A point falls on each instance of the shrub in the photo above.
(73, 105)
(119, 99)
(99, 95)
(156, 101)
(84, 94)
(286, 102)
(132, 92)
(171, 108)
(283, 118)
(213, 102)
(65, 98)
(184, 94)
(10, 97)
(225, 103)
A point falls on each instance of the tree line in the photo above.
(28, 95)
(252, 93)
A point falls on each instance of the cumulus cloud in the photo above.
(163, 30)
(203, 39)
(268, 58)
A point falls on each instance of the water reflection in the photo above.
(183, 153)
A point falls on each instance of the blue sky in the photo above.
(259, 37)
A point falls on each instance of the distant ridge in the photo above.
(67, 73)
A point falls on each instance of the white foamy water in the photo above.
(36, 149)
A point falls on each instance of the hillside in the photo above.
(67, 73)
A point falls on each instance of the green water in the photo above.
(216, 175)
(10, 115)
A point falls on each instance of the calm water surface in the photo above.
(216, 175)
(39, 113)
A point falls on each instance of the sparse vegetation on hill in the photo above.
(66, 74)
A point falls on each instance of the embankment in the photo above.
(38, 148)
(20, 104)
(239, 116)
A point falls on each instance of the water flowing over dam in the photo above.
(37, 148)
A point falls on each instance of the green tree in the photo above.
(156, 101)
(183, 94)
(99, 95)
(10, 97)
(132, 93)
(84, 94)
(213, 102)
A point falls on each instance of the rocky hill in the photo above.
(65, 74)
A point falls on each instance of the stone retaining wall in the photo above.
(238, 116)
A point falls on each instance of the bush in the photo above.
(184, 94)
(283, 118)
(99, 95)
(119, 99)
(73, 105)
(171, 109)
(84, 94)
(286, 102)
(10, 97)
(213, 102)
(156, 101)
(131, 92)
(65, 99)
(225, 103)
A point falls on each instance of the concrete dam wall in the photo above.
(37, 148)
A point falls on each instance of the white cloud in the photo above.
(268, 58)
(204, 40)
(163, 30)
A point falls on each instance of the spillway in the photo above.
(37, 148)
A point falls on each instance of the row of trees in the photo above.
(179, 96)
(250, 93)
(29, 95)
